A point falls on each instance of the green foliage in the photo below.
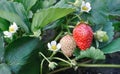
(2, 49)
(27, 3)
(108, 27)
(42, 4)
(52, 25)
(47, 3)
(98, 14)
(112, 47)
(92, 53)
(14, 12)
(63, 4)
(45, 16)
(32, 65)
(4, 24)
(4, 69)
(18, 51)
(20, 55)
(113, 7)
(116, 25)
(100, 19)
(37, 6)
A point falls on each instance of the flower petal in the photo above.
(15, 26)
(53, 43)
(7, 34)
(83, 3)
(49, 46)
(88, 4)
(58, 46)
(85, 7)
(14, 23)
(89, 9)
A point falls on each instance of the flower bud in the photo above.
(78, 3)
(101, 36)
(52, 65)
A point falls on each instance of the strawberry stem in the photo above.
(67, 25)
(41, 66)
(68, 30)
(59, 35)
(100, 65)
(78, 17)
(44, 57)
(62, 60)
(66, 57)
(88, 65)
(52, 54)
(97, 44)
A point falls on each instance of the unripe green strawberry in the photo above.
(67, 45)
(101, 36)
(83, 35)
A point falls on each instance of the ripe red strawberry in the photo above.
(83, 35)
(67, 45)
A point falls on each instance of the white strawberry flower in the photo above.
(53, 46)
(13, 28)
(7, 34)
(85, 7)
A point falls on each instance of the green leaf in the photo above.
(27, 3)
(63, 4)
(4, 25)
(48, 3)
(98, 14)
(116, 25)
(4, 69)
(33, 63)
(100, 19)
(32, 66)
(19, 51)
(76, 52)
(108, 27)
(37, 6)
(51, 2)
(46, 16)
(112, 47)
(93, 53)
(113, 7)
(52, 25)
(14, 12)
(1, 47)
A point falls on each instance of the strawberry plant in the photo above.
(48, 36)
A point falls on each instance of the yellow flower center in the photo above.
(54, 47)
(11, 29)
(85, 8)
